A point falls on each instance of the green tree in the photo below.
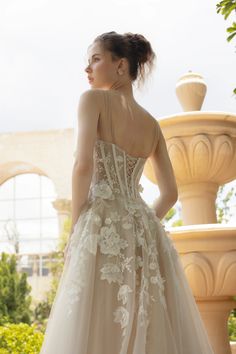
(226, 7)
(14, 292)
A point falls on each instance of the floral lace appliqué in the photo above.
(124, 235)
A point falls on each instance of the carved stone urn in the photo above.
(202, 149)
(191, 90)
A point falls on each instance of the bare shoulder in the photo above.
(92, 96)
(153, 121)
(146, 113)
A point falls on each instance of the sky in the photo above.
(43, 47)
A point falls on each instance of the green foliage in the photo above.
(20, 339)
(170, 214)
(65, 233)
(41, 314)
(231, 30)
(223, 204)
(14, 292)
(178, 222)
(232, 326)
(225, 7)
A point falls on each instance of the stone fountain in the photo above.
(202, 149)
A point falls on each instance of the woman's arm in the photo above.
(165, 177)
(88, 115)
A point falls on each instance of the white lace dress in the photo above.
(123, 289)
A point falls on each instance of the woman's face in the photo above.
(101, 70)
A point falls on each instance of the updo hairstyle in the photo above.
(135, 47)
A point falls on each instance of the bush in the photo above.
(20, 339)
(15, 296)
(41, 315)
(232, 326)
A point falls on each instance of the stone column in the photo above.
(63, 207)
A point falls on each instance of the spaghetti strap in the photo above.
(109, 114)
(156, 133)
(110, 118)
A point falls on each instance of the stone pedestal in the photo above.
(208, 256)
(215, 314)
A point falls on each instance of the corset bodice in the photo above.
(115, 171)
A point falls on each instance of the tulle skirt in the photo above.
(123, 289)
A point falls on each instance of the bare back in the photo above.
(127, 125)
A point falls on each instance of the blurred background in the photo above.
(43, 54)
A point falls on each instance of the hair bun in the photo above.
(139, 45)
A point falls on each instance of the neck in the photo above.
(125, 89)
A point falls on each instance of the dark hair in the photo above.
(135, 47)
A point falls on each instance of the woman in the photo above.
(123, 289)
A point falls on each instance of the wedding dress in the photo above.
(123, 289)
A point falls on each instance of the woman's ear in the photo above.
(122, 66)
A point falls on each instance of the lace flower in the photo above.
(103, 190)
(97, 219)
(121, 316)
(123, 293)
(127, 222)
(152, 265)
(108, 221)
(154, 280)
(133, 207)
(110, 241)
(111, 272)
(115, 216)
